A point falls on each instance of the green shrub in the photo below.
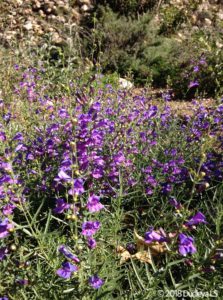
(172, 18)
(129, 7)
(201, 62)
(132, 45)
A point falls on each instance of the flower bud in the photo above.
(74, 121)
(206, 185)
(203, 155)
(202, 174)
(77, 172)
(73, 217)
(13, 247)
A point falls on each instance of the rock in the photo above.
(85, 8)
(181, 36)
(48, 10)
(60, 3)
(28, 26)
(87, 2)
(219, 45)
(40, 32)
(19, 2)
(220, 15)
(125, 84)
(61, 19)
(75, 14)
(42, 14)
(193, 19)
(28, 11)
(207, 22)
(56, 38)
(37, 5)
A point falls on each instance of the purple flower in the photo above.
(97, 173)
(151, 180)
(63, 113)
(63, 249)
(66, 270)
(6, 167)
(61, 206)
(95, 282)
(119, 158)
(8, 209)
(91, 243)
(3, 252)
(63, 176)
(4, 298)
(2, 136)
(174, 203)
(16, 67)
(90, 227)
(186, 245)
(196, 69)
(5, 227)
(22, 281)
(151, 112)
(197, 219)
(94, 204)
(18, 137)
(131, 247)
(78, 187)
(193, 84)
(153, 236)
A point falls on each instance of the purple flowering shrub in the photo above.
(80, 172)
(200, 75)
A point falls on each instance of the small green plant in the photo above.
(172, 18)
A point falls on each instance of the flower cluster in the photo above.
(75, 157)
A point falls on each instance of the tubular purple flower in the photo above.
(3, 253)
(8, 209)
(5, 227)
(186, 245)
(91, 243)
(22, 281)
(77, 188)
(93, 204)
(89, 228)
(63, 176)
(64, 250)
(61, 206)
(193, 84)
(153, 236)
(95, 281)
(66, 270)
(174, 203)
(2, 136)
(97, 173)
(196, 69)
(18, 137)
(196, 219)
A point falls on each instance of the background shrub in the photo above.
(129, 7)
(132, 46)
(148, 48)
